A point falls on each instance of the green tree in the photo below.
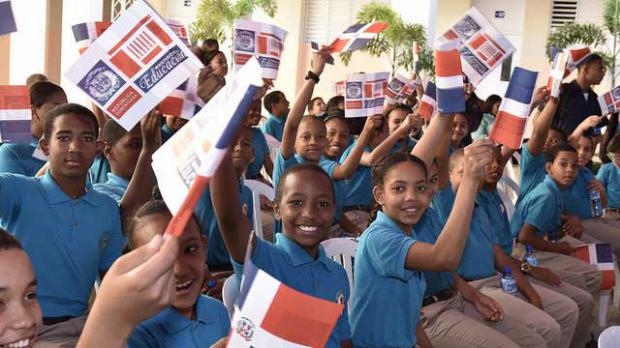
(611, 17)
(215, 18)
(396, 42)
(575, 33)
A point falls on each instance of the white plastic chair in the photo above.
(609, 338)
(258, 188)
(342, 251)
(230, 292)
(508, 192)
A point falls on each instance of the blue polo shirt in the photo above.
(541, 208)
(274, 126)
(17, 159)
(171, 329)
(493, 206)
(478, 260)
(388, 296)
(217, 254)
(289, 263)
(166, 133)
(99, 170)
(115, 187)
(261, 149)
(429, 228)
(577, 200)
(69, 241)
(609, 176)
(532, 171)
(359, 186)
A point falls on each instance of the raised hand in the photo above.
(150, 128)
(478, 155)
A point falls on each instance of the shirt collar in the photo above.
(56, 195)
(297, 254)
(386, 220)
(116, 180)
(276, 118)
(174, 322)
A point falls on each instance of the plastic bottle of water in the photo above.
(509, 284)
(529, 256)
(596, 204)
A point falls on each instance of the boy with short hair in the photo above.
(71, 232)
(609, 176)
(278, 107)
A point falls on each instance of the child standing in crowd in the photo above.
(262, 157)
(609, 176)
(278, 108)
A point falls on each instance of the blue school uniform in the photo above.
(532, 171)
(493, 206)
(429, 228)
(289, 263)
(99, 170)
(217, 254)
(261, 149)
(115, 187)
(609, 176)
(171, 329)
(274, 126)
(541, 208)
(577, 200)
(69, 241)
(478, 260)
(166, 133)
(359, 186)
(388, 296)
(17, 159)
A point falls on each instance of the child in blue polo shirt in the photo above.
(193, 320)
(395, 115)
(171, 125)
(17, 158)
(305, 205)
(539, 215)
(71, 232)
(278, 108)
(262, 156)
(609, 176)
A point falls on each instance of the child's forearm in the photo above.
(427, 147)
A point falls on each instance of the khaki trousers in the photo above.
(604, 230)
(61, 335)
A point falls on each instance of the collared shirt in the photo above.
(478, 260)
(166, 133)
(99, 170)
(261, 149)
(577, 201)
(171, 329)
(429, 228)
(573, 108)
(17, 159)
(217, 254)
(68, 240)
(609, 176)
(542, 209)
(388, 296)
(359, 186)
(532, 171)
(274, 126)
(495, 210)
(289, 263)
(115, 187)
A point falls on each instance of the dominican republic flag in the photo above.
(184, 101)
(15, 114)
(449, 81)
(428, 102)
(271, 314)
(86, 33)
(599, 254)
(514, 109)
(356, 37)
(554, 81)
(185, 163)
(179, 29)
(7, 20)
(576, 55)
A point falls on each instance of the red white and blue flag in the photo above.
(7, 19)
(179, 29)
(428, 102)
(184, 101)
(184, 164)
(356, 36)
(599, 254)
(558, 68)
(576, 55)
(449, 78)
(15, 114)
(514, 109)
(86, 33)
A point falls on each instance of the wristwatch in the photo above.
(312, 76)
(525, 267)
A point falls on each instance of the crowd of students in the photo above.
(420, 197)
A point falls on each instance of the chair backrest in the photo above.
(258, 188)
(610, 337)
(230, 292)
(342, 251)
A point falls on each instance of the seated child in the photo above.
(262, 156)
(395, 115)
(460, 129)
(317, 107)
(20, 314)
(609, 176)
(278, 108)
(193, 320)
(17, 158)
(171, 126)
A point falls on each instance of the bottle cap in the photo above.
(507, 270)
